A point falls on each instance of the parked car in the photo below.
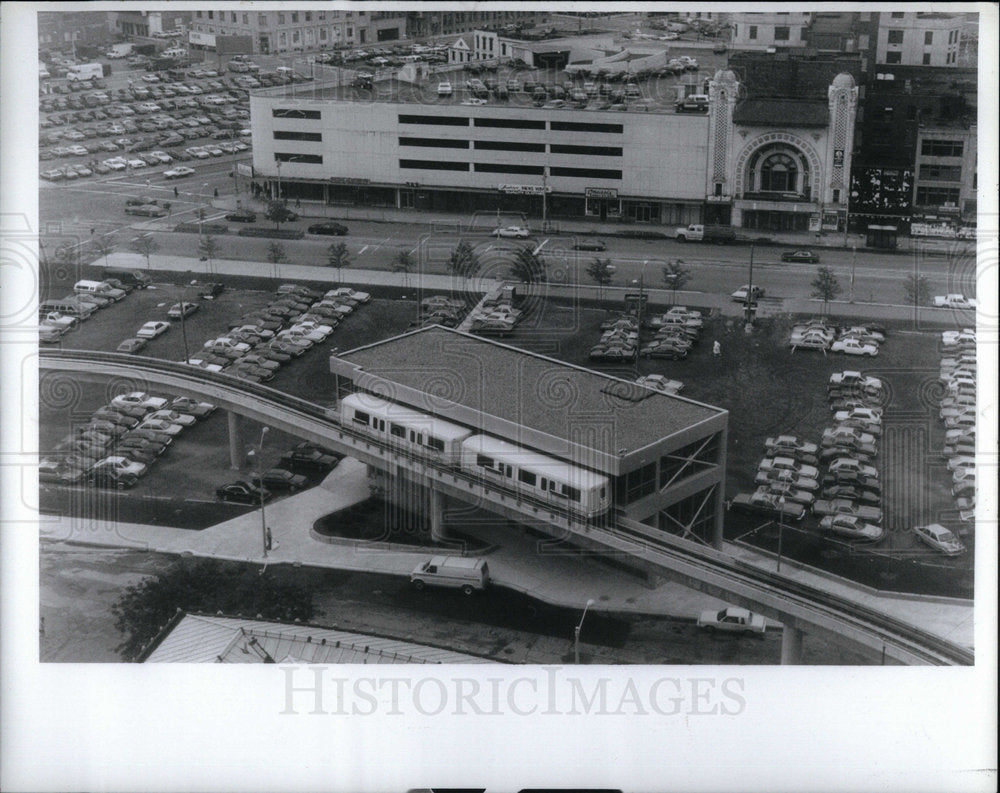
(854, 346)
(151, 330)
(172, 416)
(767, 505)
(732, 620)
(789, 445)
(138, 399)
(146, 210)
(280, 479)
(852, 527)
(329, 228)
(241, 216)
(192, 407)
(179, 172)
(113, 478)
(316, 460)
(243, 492)
(179, 310)
(518, 232)
(788, 464)
(740, 295)
(788, 492)
(781, 476)
(939, 538)
(841, 506)
(160, 425)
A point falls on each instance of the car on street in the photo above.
(732, 620)
(329, 228)
(241, 216)
(954, 301)
(178, 173)
(853, 527)
(281, 479)
(308, 459)
(179, 310)
(590, 245)
(146, 210)
(939, 538)
(151, 330)
(517, 232)
(805, 257)
(740, 295)
(767, 505)
(242, 492)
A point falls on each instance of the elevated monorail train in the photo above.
(493, 460)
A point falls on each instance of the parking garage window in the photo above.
(315, 159)
(495, 167)
(448, 121)
(443, 143)
(295, 112)
(578, 126)
(434, 165)
(594, 151)
(585, 173)
(510, 123)
(310, 136)
(503, 145)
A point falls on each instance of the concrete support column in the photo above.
(791, 644)
(438, 531)
(237, 452)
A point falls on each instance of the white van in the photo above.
(174, 52)
(457, 572)
(85, 71)
(101, 288)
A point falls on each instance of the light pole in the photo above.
(258, 464)
(781, 526)
(277, 164)
(576, 632)
(641, 282)
(201, 209)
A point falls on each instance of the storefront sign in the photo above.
(523, 189)
(601, 192)
(201, 39)
(348, 180)
(830, 221)
(814, 222)
(244, 169)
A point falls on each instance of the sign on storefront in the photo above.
(814, 222)
(601, 192)
(524, 189)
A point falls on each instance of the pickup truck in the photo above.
(954, 301)
(733, 620)
(696, 232)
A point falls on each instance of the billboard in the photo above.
(201, 39)
(234, 45)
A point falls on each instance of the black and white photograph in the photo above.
(611, 371)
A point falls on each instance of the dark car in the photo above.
(310, 459)
(590, 245)
(336, 229)
(60, 473)
(807, 257)
(137, 455)
(115, 417)
(242, 216)
(281, 479)
(141, 444)
(149, 435)
(852, 493)
(210, 290)
(243, 493)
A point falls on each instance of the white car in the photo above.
(956, 338)
(954, 301)
(445, 89)
(179, 172)
(343, 291)
(939, 538)
(115, 164)
(513, 231)
(311, 336)
(732, 620)
(172, 416)
(136, 163)
(159, 425)
(122, 465)
(162, 156)
(473, 101)
(867, 415)
(152, 329)
(849, 464)
(740, 295)
(855, 379)
(139, 399)
(855, 347)
(660, 383)
(312, 326)
(198, 153)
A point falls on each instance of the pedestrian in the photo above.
(176, 194)
(716, 348)
(268, 535)
(216, 192)
(298, 204)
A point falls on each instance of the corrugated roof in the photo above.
(782, 113)
(602, 412)
(198, 638)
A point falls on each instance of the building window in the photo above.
(585, 173)
(694, 514)
(450, 121)
(509, 145)
(309, 16)
(572, 126)
(894, 57)
(211, 15)
(897, 15)
(314, 159)
(322, 34)
(942, 148)
(688, 460)
(753, 32)
(895, 37)
(937, 196)
(262, 20)
(441, 143)
(941, 173)
(636, 484)
(602, 151)
(509, 123)
(927, 59)
(782, 33)
(295, 17)
(928, 38)
(779, 174)
(434, 165)
(232, 17)
(281, 18)
(294, 112)
(496, 167)
(836, 196)
(310, 136)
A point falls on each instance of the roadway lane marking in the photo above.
(363, 249)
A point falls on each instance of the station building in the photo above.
(665, 456)
(756, 161)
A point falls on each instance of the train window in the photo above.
(572, 493)
(396, 431)
(435, 443)
(603, 494)
(360, 417)
(527, 477)
(381, 425)
(508, 471)
(483, 461)
(545, 483)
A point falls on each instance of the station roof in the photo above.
(535, 391)
(782, 113)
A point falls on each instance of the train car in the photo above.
(531, 473)
(403, 426)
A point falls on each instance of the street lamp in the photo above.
(258, 464)
(576, 632)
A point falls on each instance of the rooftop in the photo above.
(197, 638)
(782, 113)
(538, 392)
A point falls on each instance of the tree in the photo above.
(208, 247)
(275, 252)
(278, 212)
(145, 245)
(209, 586)
(463, 261)
(104, 246)
(917, 290)
(337, 256)
(676, 276)
(403, 263)
(825, 286)
(528, 266)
